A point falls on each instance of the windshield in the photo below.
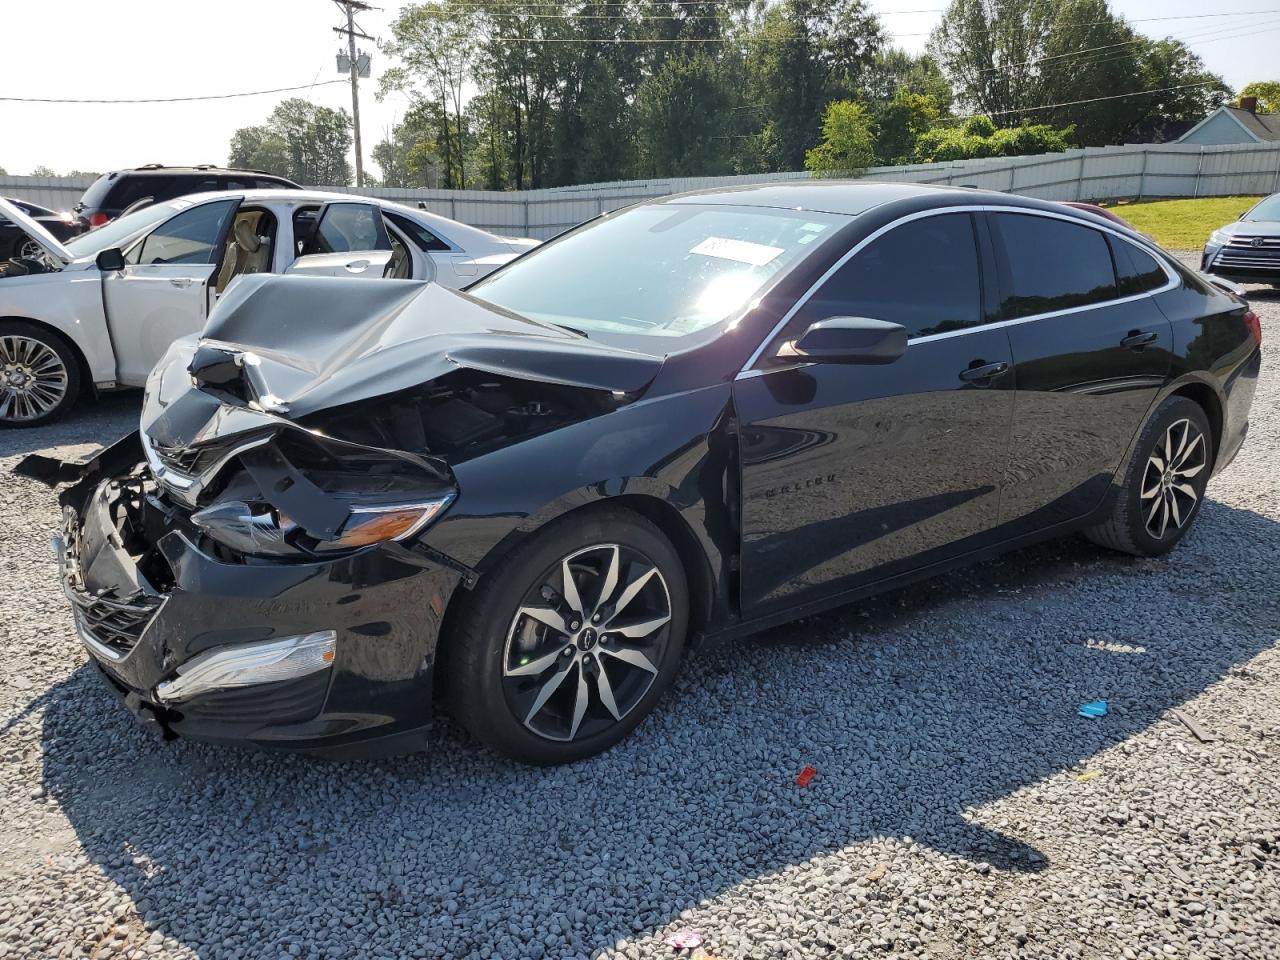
(663, 270)
(116, 232)
(1268, 209)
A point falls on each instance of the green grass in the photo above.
(1182, 224)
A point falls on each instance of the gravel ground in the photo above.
(960, 806)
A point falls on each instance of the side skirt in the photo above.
(735, 631)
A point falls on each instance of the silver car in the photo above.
(1247, 251)
(96, 312)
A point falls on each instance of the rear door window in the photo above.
(1051, 264)
(190, 237)
(345, 227)
(1136, 270)
(923, 275)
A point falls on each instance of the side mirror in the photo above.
(849, 340)
(110, 260)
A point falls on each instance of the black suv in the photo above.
(113, 192)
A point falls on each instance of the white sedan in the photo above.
(99, 310)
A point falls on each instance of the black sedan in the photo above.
(686, 421)
(14, 241)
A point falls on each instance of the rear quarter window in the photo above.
(1136, 271)
(97, 191)
(424, 238)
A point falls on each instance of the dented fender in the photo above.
(623, 454)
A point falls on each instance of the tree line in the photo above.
(517, 94)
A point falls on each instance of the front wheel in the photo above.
(1163, 483)
(29, 249)
(39, 375)
(569, 642)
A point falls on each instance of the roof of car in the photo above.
(156, 168)
(302, 196)
(849, 197)
(280, 193)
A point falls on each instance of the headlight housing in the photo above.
(1220, 237)
(304, 495)
(257, 528)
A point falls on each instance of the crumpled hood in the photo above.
(295, 345)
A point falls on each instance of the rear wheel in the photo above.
(1163, 484)
(568, 643)
(39, 375)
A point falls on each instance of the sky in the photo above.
(175, 48)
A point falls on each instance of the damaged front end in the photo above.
(270, 595)
(247, 566)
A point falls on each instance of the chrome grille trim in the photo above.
(187, 487)
(109, 626)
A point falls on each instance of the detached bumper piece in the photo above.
(329, 656)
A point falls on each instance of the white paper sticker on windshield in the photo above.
(740, 251)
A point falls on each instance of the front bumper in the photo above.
(147, 599)
(1242, 264)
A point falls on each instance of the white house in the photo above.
(1242, 124)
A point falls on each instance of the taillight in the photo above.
(98, 219)
(1254, 323)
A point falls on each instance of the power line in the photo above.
(889, 36)
(1077, 103)
(1247, 28)
(211, 96)
(1199, 37)
(638, 17)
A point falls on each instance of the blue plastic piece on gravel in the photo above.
(1098, 708)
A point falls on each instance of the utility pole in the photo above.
(357, 66)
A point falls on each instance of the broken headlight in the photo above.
(257, 528)
(312, 495)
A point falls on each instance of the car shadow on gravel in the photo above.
(916, 709)
(93, 421)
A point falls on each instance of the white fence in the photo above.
(1094, 173)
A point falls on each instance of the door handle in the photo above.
(1136, 339)
(180, 281)
(357, 264)
(983, 373)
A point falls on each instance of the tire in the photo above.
(516, 681)
(29, 249)
(1147, 526)
(39, 375)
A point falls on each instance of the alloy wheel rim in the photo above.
(1168, 496)
(584, 645)
(30, 250)
(33, 378)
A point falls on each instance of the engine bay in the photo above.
(461, 415)
(24, 267)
